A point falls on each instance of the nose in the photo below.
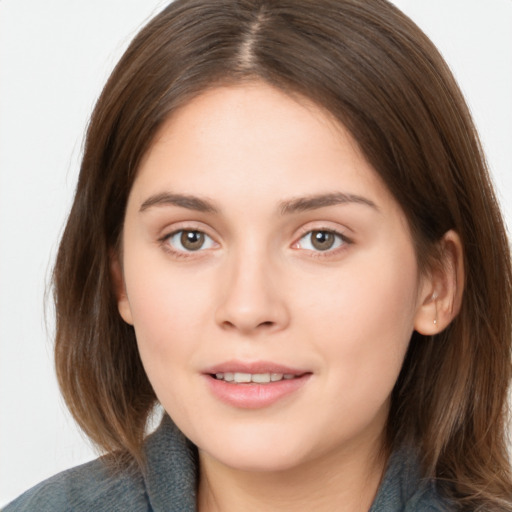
(252, 298)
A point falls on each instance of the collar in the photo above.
(172, 475)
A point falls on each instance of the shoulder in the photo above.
(92, 486)
(404, 490)
(169, 482)
(427, 499)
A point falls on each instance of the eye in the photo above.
(186, 240)
(321, 240)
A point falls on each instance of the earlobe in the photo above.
(123, 304)
(441, 292)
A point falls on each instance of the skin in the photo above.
(259, 290)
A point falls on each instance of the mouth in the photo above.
(254, 385)
(255, 378)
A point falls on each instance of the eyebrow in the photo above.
(182, 200)
(315, 202)
(300, 204)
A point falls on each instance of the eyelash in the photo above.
(341, 242)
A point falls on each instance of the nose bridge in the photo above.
(251, 296)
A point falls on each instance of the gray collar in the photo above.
(172, 475)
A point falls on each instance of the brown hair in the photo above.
(379, 75)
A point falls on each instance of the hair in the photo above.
(373, 69)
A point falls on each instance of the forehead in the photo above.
(259, 140)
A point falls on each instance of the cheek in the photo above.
(167, 323)
(363, 317)
(168, 310)
(377, 291)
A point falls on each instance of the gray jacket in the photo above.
(170, 484)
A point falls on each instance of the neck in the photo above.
(346, 482)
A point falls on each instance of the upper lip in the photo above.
(254, 367)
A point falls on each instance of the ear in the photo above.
(441, 291)
(116, 271)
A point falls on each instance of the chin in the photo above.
(257, 450)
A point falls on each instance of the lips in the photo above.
(256, 378)
(254, 385)
(256, 367)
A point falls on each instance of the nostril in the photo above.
(268, 324)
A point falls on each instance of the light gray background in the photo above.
(54, 58)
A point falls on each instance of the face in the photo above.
(271, 280)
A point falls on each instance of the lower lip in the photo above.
(253, 395)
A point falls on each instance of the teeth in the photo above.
(258, 378)
(261, 378)
(242, 377)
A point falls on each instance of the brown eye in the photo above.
(192, 240)
(322, 240)
(189, 240)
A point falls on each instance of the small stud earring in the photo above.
(434, 298)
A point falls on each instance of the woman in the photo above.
(284, 233)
